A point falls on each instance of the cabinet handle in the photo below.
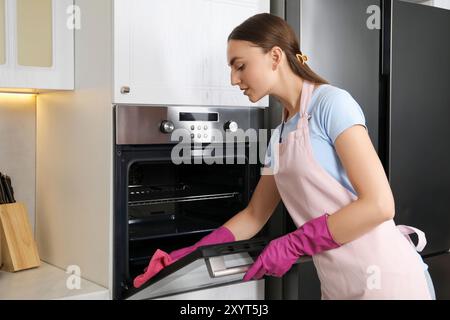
(125, 90)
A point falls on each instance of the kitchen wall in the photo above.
(18, 146)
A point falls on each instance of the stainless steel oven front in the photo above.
(176, 178)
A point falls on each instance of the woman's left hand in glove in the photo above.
(280, 254)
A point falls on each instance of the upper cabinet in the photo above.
(2, 33)
(36, 45)
(173, 52)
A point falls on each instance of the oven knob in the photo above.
(231, 125)
(167, 126)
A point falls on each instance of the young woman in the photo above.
(326, 172)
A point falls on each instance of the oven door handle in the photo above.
(216, 267)
(215, 261)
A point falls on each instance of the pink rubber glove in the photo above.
(280, 254)
(161, 259)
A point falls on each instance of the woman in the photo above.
(328, 175)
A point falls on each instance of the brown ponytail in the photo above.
(267, 31)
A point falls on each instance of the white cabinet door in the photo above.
(2, 32)
(173, 52)
(38, 45)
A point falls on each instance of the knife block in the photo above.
(18, 248)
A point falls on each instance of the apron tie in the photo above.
(407, 230)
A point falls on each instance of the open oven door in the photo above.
(207, 267)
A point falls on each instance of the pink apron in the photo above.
(381, 264)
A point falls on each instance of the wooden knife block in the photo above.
(18, 248)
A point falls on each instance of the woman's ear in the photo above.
(276, 54)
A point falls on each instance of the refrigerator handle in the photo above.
(386, 37)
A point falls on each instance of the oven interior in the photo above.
(173, 206)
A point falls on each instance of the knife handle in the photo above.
(10, 190)
(3, 198)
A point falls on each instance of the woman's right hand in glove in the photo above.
(161, 259)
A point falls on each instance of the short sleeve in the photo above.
(338, 112)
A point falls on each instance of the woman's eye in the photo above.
(241, 68)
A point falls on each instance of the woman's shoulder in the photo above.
(327, 93)
(335, 110)
(328, 98)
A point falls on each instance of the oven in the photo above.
(180, 173)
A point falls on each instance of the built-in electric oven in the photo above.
(180, 173)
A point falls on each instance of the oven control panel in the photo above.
(161, 125)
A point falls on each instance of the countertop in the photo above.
(46, 283)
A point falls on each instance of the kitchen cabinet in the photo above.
(165, 55)
(36, 45)
(2, 32)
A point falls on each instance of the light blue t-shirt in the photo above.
(332, 111)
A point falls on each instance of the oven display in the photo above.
(188, 116)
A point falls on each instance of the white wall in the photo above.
(18, 146)
(74, 155)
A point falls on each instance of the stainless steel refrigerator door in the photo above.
(420, 113)
(439, 267)
(335, 35)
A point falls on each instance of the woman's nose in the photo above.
(234, 79)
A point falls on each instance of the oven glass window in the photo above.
(173, 206)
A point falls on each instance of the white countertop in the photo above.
(46, 283)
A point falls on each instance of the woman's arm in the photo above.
(247, 223)
(375, 203)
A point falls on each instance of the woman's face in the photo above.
(251, 69)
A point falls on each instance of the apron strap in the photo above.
(407, 230)
(307, 90)
(305, 98)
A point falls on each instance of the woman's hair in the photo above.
(267, 31)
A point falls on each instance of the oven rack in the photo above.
(184, 199)
(181, 226)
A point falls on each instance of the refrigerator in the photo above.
(393, 57)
